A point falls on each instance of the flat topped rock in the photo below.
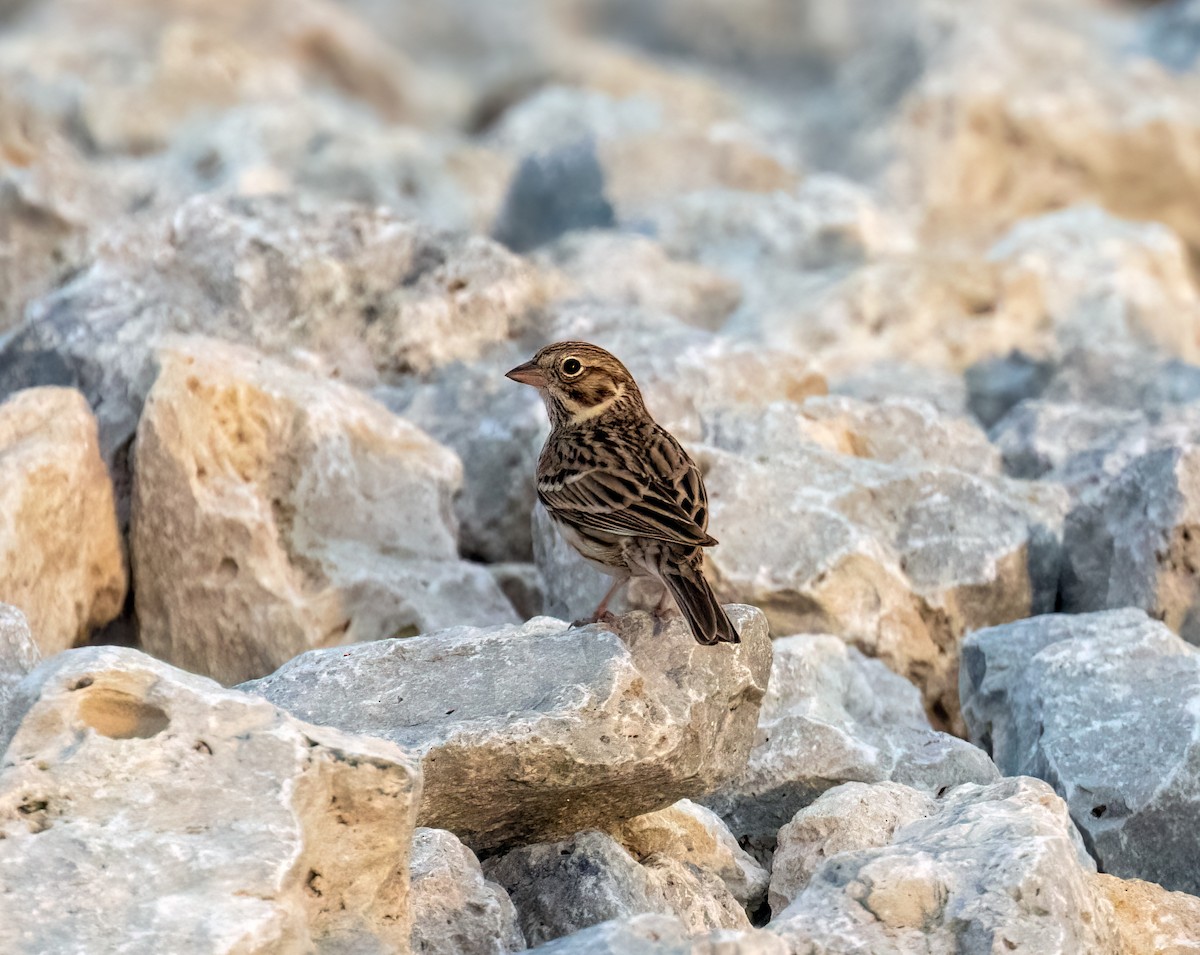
(531, 733)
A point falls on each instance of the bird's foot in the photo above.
(663, 616)
(606, 616)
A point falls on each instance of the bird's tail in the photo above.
(699, 605)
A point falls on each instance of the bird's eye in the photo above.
(571, 367)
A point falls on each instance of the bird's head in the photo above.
(578, 381)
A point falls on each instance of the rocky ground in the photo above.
(283, 659)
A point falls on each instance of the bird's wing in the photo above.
(660, 496)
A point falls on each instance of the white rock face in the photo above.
(998, 862)
(832, 716)
(846, 818)
(696, 836)
(18, 655)
(255, 833)
(653, 934)
(455, 910)
(274, 512)
(512, 722)
(60, 551)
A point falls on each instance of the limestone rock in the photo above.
(1039, 438)
(1135, 541)
(995, 865)
(455, 910)
(1098, 278)
(634, 271)
(358, 292)
(18, 655)
(496, 427)
(847, 818)
(1098, 706)
(512, 723)
(1151, 919)
(832, 716)
(654, 934)
(254, 832)
(564, 887)
(900, 559)
(274, 512)
(696, 836)
(60, 550)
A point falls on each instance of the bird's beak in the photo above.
(528, 374)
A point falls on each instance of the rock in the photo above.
(60, 550)
(512, 722)
(564, 887)
(1098, 278)
(496, 428)
(847, 818)
(551, 194)
(653, 934)
(879, 381)
(623, 151)
(455, 910)
(1044, 438)
(901, 558)
(831, 716)
(18, 655)
(996, 385)
(825, 221)
(632, 270)
(997, 865)
(1097, 705)
(1151, 919)
(522, 585)
(361, 294)
(1133, 541)
(257, 833)
(274, 512)
(697, 837)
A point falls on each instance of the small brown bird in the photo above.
(619, 487)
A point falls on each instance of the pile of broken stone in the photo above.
(283, 659)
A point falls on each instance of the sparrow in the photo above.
(619, 487)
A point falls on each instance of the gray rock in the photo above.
(553, 193)
(1051, 439)
(653, 934)
(901, 558)
(18, 655)
(846, 818)
(996, 385)
(1171, 34)
(1099, 706)
(1135, 541)
(511, 723)
(832, 716)
(997, 867)
(237, 828)
(496, 427)
(455, 910)
(564, 887)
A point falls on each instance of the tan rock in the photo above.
(274, 512)
(149, 805)
(60, 552)
(697, 837)
(516, 725)
(1149, 919)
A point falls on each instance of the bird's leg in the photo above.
(602, 611)
(663, 609)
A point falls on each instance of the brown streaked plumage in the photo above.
(619, 487)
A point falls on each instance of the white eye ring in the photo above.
(571, 372)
